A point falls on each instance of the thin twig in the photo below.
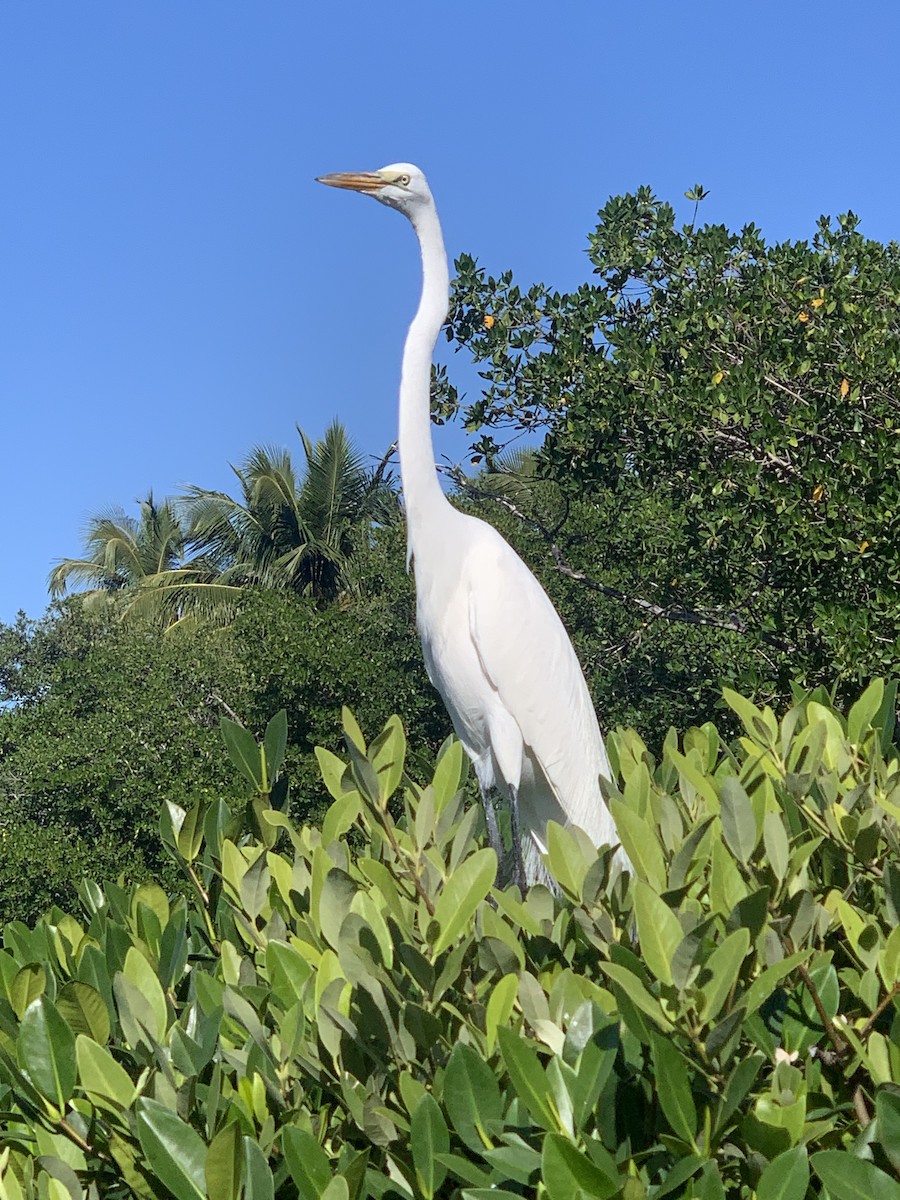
(229, 711)
(885, 1004)
(834, 1037)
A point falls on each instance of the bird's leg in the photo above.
(493, 831)
(518, 861)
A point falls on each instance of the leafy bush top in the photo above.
(320, 1022)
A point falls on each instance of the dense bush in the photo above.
(108, 721)
(322, 1023)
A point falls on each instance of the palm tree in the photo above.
(138, 565)
(294, 534)
(121, 552)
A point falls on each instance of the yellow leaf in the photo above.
(718, 377)
(818, 493)
(864, 545)
(845, 387)
(489, 321)
(818, 302)
(804, 317)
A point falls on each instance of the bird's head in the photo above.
(401, 186)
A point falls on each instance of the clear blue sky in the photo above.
(174, 288)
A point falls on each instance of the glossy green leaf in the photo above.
(738, 821)
(567, 1172)
(275, 744)
(674, 1089)
(84, 1010)
(471, 1097)
(723, 966)
(460, 896)
(138, 972)
(527, 1076)
(242, 750)
(887, 1111)
(636, 992)
(45, 1050)
(640, 844)
(659, 931)
(786, 1177)
(173, 1150)
(28, 983)
(499, 1007)
(428, 1137)
(388, 755)
(224, 1167)
(258, 1181)
(307, 1162)
(850, 1178)
(104, 1079)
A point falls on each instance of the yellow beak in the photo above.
(367, 182)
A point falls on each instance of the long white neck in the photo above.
(422, 494)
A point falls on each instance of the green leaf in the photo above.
(738, 821)
(499, 1006)
(340, 816)
(224, 1163)
(254, 887)
(640, 844)
(242, 750)
(889, 959)
(723, 965)
(863, 712)
(448, 774)
(307, 1162)
(28, 983)
(568, 1173)
(659, 930)
(471, 1097)
(388, 755)
(332, 769)
(887, 1110)
(786, 1177)
(338, 890)
(45, 1050)
(173, 1150)
(84, 1010)
(595, 1061)
(851, 1178)
(636, 992)
(100, 1075)
(460, 896)
(567, 861)
(275, 744)
(190, 835)
(527, 1078)
(429, 1137)
(153, 1013)
(776, 844)
(674, 1089)
(352, 731)
(258, 1181)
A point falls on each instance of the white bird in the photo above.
(494, 645)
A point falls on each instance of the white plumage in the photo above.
(494, 645)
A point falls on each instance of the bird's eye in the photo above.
(403, 181)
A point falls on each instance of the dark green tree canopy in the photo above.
(730, 409)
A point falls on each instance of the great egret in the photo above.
(493, 643)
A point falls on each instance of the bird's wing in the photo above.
(529, 661)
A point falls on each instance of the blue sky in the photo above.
(176, 289)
